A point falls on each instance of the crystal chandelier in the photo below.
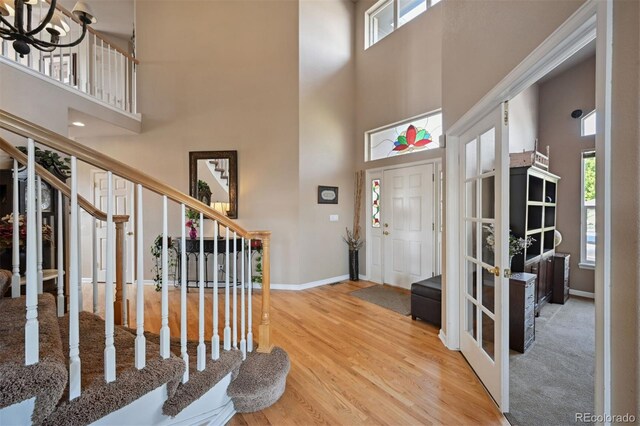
(54, 23)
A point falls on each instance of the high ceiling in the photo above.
(115, 17)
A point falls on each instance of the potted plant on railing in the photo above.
(172, 261)
(193, 221)
(256, 247)
(52, 161)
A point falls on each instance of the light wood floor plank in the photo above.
(352, 362)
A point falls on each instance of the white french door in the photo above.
(408, 216)
(484, 227)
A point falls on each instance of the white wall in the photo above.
(523, 121)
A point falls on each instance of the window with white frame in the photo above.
(387, 15)
(588, 209)
(588, 124)
(413, 135)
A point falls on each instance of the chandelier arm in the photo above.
(45, 21)
(75, 43)
(29, 16)
(11, 27)
(7, 36)
(43, 49)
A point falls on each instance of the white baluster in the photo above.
(60, 257)
(94, 85)
(109, 350)
(80, 298)
(15, 279)
(140, 339)
(165, 335)
(227, 329)
(74, 312)
(235, 291)
(243, 342)
(31, 329)
(110, 73)
(183, 297)
(249, 312)
(202, 349)
(94, 262)
(215, 339)
(39, 230)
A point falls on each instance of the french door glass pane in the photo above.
(488, 290)
(488, 197)
(471, 193)
(471, 319)
(488, 241)
(488, 328)
(470, 276)
(471, 229)
(488, 151)
(471, 159)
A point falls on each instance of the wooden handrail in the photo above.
(59, 185)
(95, 158)
(94, 32)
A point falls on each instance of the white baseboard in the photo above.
(289, 287)
(580, 293)
(443, 338)
(304, 286)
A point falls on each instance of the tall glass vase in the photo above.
(353, 265)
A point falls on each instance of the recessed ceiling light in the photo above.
(78, 123)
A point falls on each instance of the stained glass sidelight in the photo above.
(375, 203)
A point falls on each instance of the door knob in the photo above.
(386, 232)
(495, 270)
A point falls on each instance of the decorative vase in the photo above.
(193, 233)
(353, 265)
(510, 261)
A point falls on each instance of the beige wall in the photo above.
(625, 267)
(326, 156)
(232, 86)
(523, 121)
(397, 78)
(573, 89)
(483, 41)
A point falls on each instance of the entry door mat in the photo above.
(386, 297)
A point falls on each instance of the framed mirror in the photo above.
(213, 179)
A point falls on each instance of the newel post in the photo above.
(118, 307)
(264, 330)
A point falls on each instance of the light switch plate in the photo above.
(333, 218)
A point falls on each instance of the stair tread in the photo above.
(99, 398)
(261, 380)
(199, 381)
(45, 380)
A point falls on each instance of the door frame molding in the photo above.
(577, 31)
(437, 166)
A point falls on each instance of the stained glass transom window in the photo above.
(375, 203)
(414, 135)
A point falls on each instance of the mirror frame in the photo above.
(232, 156)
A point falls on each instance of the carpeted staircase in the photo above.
(257, 383)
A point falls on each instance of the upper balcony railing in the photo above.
(95, 67)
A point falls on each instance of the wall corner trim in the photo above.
(581, 293)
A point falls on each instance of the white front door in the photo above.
(122, 205)
(484, 227)
(408, 224)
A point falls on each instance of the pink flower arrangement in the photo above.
(6, 231)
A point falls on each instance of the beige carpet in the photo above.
(554, 380)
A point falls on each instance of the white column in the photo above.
(227, 329)
(80, 299)
(183, 296)
(109, 350)
(243, 342)
(125, 313)
(15, 279)
(215, 339)
(202, 349)
(249, 313)
(39, 230)
(165, 335)
(94, 262)
(31, 329)
(235, 291)
(74, 311)
(140, 339)
(60, 256)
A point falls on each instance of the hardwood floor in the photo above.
(352, 362)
